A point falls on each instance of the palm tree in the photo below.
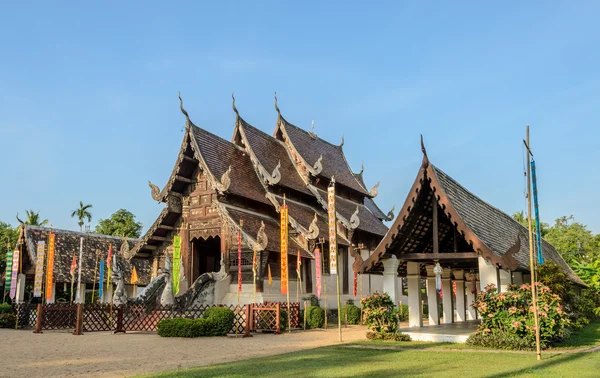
(81, 214)
(33, 218)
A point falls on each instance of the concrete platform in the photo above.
(452, 333)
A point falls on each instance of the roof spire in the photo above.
(277, 107)
(313, 125)
(342, 141)
(362, 168)
(425, 158)
(187, 117)
(233, 105)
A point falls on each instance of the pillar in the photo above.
(488, 274)
(413, 278)
(20, 294)
(390, 282)
(447, 297)
(505, 279)
(459, 278)
(471, 313)
(432, 297)
(517, 278)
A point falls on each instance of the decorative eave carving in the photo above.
(223, 185)
(342, 144)
(354, 219)
(276, 175)
(185, 113)
(324, 205)
(374, 191)
(509, 258)
(313, 229)
(318, 167)
(125, 251)
(155, 192)
(390, 215)
(261, 238)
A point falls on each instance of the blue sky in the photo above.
(89, 108)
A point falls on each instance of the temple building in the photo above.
(219, 188)
(474, 243)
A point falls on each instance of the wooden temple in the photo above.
(218, 188)
(474, 243)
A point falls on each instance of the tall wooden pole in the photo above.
(531, 259)
(324, 285)
(337, 282)
(94, 282)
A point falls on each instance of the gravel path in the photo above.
(103, 354)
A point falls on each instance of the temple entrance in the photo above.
(206, 256)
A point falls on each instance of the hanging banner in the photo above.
(50, 267)
(176, 263)
(254, 267)
(270, 276)
(8, 271)
(332, 229)
(239, 260)
(101, 281)
(14, 275)
(538, 231)
(40, 253)
(355, 283)
(134, 276)
(109, 265)
(318, 271)
(284, 247)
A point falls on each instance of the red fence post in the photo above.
(120, 320)
(39, 317)
(249, 321)
(277, 319)
(79, 320)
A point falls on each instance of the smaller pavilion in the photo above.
(475, 244)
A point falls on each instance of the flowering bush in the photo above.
(511, 313)
(379, 314)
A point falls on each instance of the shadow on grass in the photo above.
(547, 362)
(588, 336)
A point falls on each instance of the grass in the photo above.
(413, 359)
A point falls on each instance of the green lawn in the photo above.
(415, 360)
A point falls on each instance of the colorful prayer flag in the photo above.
(14, 275)
(355, 283)
(8, 271)
(538, 231)
(284, 247)
(239, 260)
(39, 268)
(109, 265)
(298, 264)
(73, 264)
(269, 274)
(50, 268)
(318, 271)
(332, 228)
(101, 280)
(134, 276)
(254, 266)
(176, 263)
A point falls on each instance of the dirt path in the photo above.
(59, 354)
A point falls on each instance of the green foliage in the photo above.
(379, 314)
(33, 218)
(502, 340)
(351, 314)
(182, 327)
(6, 308)
(121, 223)
(314, 301)
(315, 317)
(520, 217)
(510, 313)
(574, 241)
(221, 319)
(8, 240)
(403, 313)
(388, 336)
(283, 320)
(82, 213)
(8, 320)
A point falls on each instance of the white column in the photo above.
(432, 297)
(390, 281)
(20, 295)
(413, 278)
(505, 279)
(471, 313)
(488, 274)
(517, 278)
(459, 276)
(447, 297)
(53, 299)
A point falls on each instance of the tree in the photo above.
(574, 241)
(33, 218)
(520, 217)
(8, 240)
(121, 223)
(82, 213)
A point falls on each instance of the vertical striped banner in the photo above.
(332, 229)
(39, 268)
(176, 263)
(538, 233)
(318, 271)
(101, 281)
(50, 268)
(284, 247)
(355, 283)
(239, 258)
(14, 275)
(8, 271)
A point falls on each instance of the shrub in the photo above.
(221, 319)
(402, 313)
(6, 308)
(315, 317)
(509, 315)
(7, 320)
(351, 314)
(182, 327)
(379, 313)
(388, 336)
(502, 340)
(314, 300)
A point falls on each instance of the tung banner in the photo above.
(318, 271)
(284, 247)
(332, 229)
(176, 263)
(8, 271)
(14, 275)
(39, 268)
(50, 267)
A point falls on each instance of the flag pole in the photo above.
(531, 260)
(79, 272)
(254, 272)
(324, 284)
(94, 282)
(289, 314)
